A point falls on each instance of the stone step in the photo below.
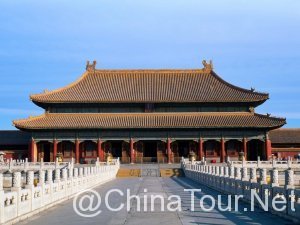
(124, 172)
(174, 172)
(150, 173)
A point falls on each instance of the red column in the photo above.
(32, 147)
(245, 148)
(100, 151)
(223, 153)
(54, 149)
(268, 149)
(200, 150)
(169, 150)
(77, 150)
(131, 151)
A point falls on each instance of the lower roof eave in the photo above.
(145, 128)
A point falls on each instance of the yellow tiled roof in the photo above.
(142, 86)
(285, 135)
(148, 120)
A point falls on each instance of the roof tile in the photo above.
(148, 120)
(149, 86)
(285, 135)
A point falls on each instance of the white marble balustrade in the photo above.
(54, 186)
(239, 180)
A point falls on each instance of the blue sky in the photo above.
(45, 45)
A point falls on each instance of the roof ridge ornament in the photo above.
(208, 67)
(91, 67)
(251, 109)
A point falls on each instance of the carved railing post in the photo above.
(273, 163)
(217, 171)
(226, 171)
(238, 173)
(253, 176)
(57, 175)
(16, 180)
(289, 179)
(97, 162)
(29, 179)
(85, 169)
(41, 177)
(231, 172)
(201, 168)
(17, 186)
(30, 186)
(26, 165)
(289, 162)
(80, 172)
(64, 174)
(75, 172)
(258, 162)
(245, 176)
(221, 171)
(49, 176)
(71, 172)
(209, 169)
(263, 176)
(274, 178)
(56, 163)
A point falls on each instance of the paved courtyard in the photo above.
(64, 213)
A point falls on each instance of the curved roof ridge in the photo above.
(269, 116)
(196, 70)
(237, 87)
(31, 118)
(84, 75)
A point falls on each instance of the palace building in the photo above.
(149, 116)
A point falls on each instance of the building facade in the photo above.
(149, 116)
(14, 144)
(286, 143)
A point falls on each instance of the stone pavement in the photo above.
(64, 213)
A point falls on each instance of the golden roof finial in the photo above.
(208, 66)
(91, 67)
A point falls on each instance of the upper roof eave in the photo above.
(48, 97)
